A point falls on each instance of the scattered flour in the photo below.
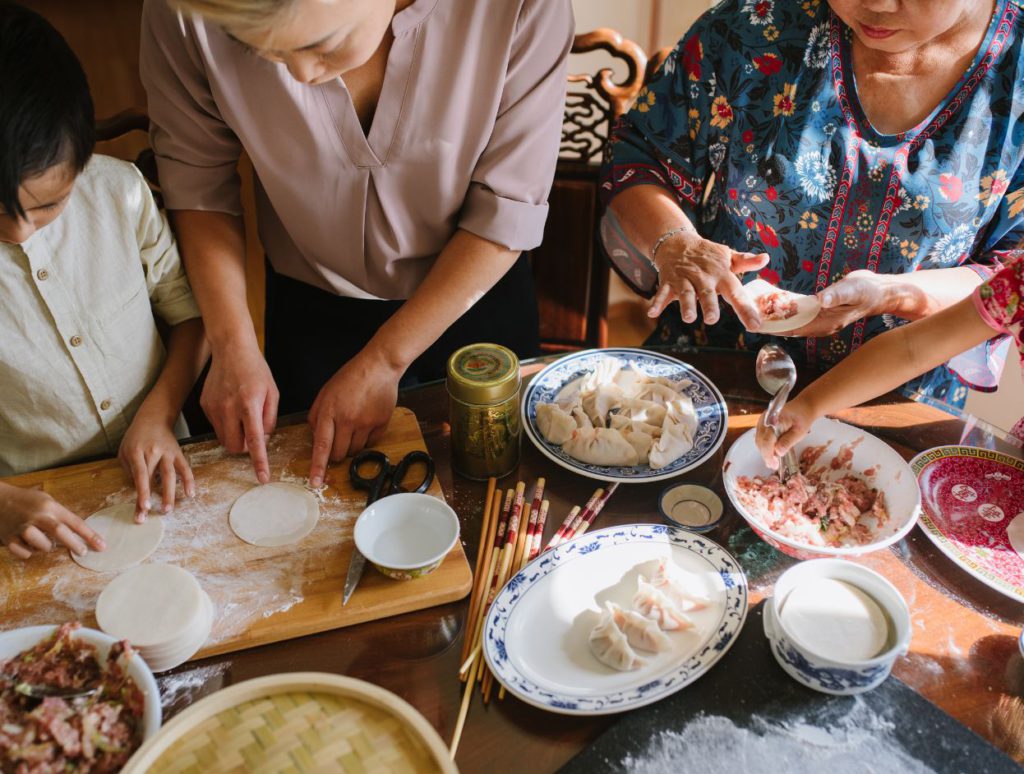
(856, 743)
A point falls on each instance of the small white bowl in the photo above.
(14, 642)
(406, 535)
(691, 507)
(893, 477)
(817, 670)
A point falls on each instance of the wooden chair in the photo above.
(569, 268)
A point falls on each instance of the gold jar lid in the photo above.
(483, 374)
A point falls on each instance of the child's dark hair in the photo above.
(46, 111)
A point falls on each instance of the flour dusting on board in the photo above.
(245, 583)
(859, 741)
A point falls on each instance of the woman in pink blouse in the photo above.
(403, 151)
(898, 355)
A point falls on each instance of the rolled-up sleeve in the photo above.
(197, 153)
(663, 140)
(507, 198)
(170, 295)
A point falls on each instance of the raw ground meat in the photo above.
(812, 509)
(777, 305)
(94, 734)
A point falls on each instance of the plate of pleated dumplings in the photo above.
(615, 619)
(626, 415)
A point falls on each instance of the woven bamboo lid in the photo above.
(299, 722)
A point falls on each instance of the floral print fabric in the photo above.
(753, 123)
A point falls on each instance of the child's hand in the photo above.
(794, 422)
(31, 521)
(150, 451)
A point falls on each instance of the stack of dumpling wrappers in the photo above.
(618, 416)
(659, 605)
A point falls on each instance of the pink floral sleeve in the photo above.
(998, 301)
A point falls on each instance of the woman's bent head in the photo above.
(317, 40)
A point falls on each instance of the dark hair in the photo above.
(46, 111)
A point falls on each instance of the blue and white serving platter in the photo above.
(712, 414)
(536, 637)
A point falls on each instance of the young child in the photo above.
(86, 259)
(896, 356)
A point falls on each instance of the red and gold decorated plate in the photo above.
(972, 504)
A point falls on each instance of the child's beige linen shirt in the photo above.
(79, 347)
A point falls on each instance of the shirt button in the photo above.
(43, 275)
(76, 341)
(105, 405)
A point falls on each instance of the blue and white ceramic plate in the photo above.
(712, 414)
(536, 637)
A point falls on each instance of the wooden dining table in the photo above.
(963, 655)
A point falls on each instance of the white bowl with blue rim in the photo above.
(712, 414)
(691, 507)
(536, 635)
(824, 672)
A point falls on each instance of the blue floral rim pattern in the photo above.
(712, 414)
(734, 613)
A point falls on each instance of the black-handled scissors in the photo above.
(387, 480)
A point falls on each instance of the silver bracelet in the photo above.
(663, 239)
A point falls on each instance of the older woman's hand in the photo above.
(859, 294)
(692, 269)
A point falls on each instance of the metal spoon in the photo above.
(47, 691)
(776, 374)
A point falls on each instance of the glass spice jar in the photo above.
(483, 406)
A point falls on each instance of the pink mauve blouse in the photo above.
(465, 135)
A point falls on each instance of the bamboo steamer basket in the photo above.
(297, 722)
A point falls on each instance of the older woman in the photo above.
(868, 151)
(403, 150)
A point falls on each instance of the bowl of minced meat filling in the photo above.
(854, 493)
(95, 733)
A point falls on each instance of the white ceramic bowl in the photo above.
(818, 670)
(14, 642)
(406, 535)
(893, 477)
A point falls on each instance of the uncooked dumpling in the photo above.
(669, 581)
(599, 403)
(642, 633)
(601, 446)
(610, 645)
(625, 425)
(651, 603)
(555, 425)
(677, 433)
(605, 372)
(657, 393)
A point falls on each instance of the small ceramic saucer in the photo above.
(690, 506)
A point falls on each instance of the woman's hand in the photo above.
(859, 294)
(692, 269)
(152, 457)
(352, 410)
(240, 399)
(793, 424)
(31, 521)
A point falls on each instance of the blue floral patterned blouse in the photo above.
(753, 123)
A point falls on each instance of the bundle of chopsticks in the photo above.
(511, 537)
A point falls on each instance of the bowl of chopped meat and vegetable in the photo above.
(47, 724)
(854, 493)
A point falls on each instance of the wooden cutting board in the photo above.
(261, 595)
